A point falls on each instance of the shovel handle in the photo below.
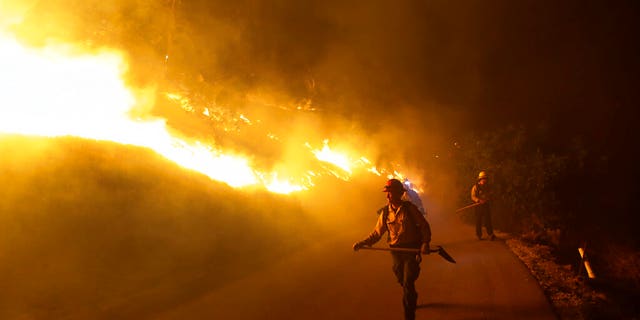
(440, 251)
(469, 206)
(399, 249)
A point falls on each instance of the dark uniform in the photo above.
(481, 193)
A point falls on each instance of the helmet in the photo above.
(482, 175)
(393, 185)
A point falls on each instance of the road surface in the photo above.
(328, 280)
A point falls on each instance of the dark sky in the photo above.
(569, 65)
(567, 68)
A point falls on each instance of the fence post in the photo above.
(585, 262)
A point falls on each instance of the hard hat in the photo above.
(393, 185)
(482, 175)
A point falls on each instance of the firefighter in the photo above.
(413, 196)
(481, 194)
(407, 228)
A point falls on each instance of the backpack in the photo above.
(385, 213)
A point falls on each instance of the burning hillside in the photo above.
(59, 89)
(88, 232)
(100, 217)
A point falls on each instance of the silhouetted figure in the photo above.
(481, 193)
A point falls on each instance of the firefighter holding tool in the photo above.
(481, 194)
(410, 233)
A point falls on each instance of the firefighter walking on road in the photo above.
(481, 194)
(407, 228)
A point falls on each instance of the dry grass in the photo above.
(568, 292)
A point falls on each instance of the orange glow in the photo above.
(338, 159)
(53, 92)
(57, 91)
(282, 186)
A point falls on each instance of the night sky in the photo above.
(569, 64)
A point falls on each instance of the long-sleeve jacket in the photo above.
(480, 193)
(407, 227)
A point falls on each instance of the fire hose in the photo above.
(440, 251)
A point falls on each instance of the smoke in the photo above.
(394, 80)
(106, 230)
(471, 64)
(345, 58)
(388, 81)
(401, 78)
(100, 230)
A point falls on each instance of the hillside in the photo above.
(100, 230)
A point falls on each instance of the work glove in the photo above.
(425, 249)
(358, 245)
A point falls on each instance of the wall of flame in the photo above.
(58, 91)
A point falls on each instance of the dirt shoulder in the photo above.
(568, 291)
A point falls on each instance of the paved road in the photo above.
(102, 240)
(328, 280)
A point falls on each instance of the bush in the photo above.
(523, 177)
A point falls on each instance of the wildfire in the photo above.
(53, 92)
(57, 91)
(338, 159)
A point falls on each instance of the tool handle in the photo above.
(398, 249)
(469, 206)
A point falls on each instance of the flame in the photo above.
(338, 159)
(54, 92)
(345, 162)
(46, 93)
(276, 185)
(57, 91)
